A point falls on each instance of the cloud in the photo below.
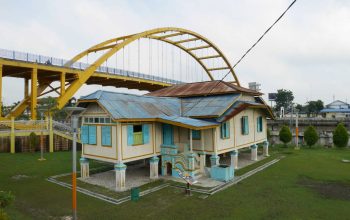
(307, 51)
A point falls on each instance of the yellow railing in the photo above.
(138, 138)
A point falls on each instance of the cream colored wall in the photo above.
(253, 136)
(99, 152)
(227, 143)
(137, 152)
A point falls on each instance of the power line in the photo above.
(245, 54)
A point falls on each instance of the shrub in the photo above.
(340, 136)
(3, 215)
(33, 141)
(310, 136)
(285, 134)
(6, 198)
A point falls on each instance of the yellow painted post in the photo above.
(50, 134)
(34, 93)
(0, 90)
(63, 83)
(12, 135)
(26, 87)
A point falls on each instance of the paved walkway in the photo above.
(138, 175)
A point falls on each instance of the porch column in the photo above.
(153, 172)
(254, 152)
(120, 176)
(34, 93)
(266, 149)
(191, 142)
(84, 168)
(202, 162)
(234, 159)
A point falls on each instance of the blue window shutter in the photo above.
(257, 124)
(92, 134)
(222, 130)
(145, 133)
(106, 136)
(84, 135)
(227, 130)
(130, 135)
(261, 124)
(246, 125)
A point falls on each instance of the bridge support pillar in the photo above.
(12, 136)
(34, 93)
(0, 90)
(26, 88)
(51, 147)
(63, 83)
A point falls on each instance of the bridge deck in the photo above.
(20, 65)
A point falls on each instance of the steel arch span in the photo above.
(169, 35)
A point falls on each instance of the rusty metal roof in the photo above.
(202, 89)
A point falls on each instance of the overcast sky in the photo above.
(307, 52)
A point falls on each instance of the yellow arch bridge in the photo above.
(40, 73)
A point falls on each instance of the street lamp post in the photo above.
(74, 112)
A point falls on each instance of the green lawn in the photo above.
(306, 184)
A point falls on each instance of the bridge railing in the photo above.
(34, 58)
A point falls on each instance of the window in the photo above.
(225, 130)
(196, 134)
(245, 125)
(88, 134)
(106, 137)
(138, 134)
(259, 124)
(97, 120)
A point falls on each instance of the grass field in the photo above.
(306, 184)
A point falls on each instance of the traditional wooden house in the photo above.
(181, 126)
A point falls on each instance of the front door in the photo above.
(168, 135)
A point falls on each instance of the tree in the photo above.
(33, 141)
(285, 134)
(284, 98)
(310, 136)
(340, 136)
(314, 107)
